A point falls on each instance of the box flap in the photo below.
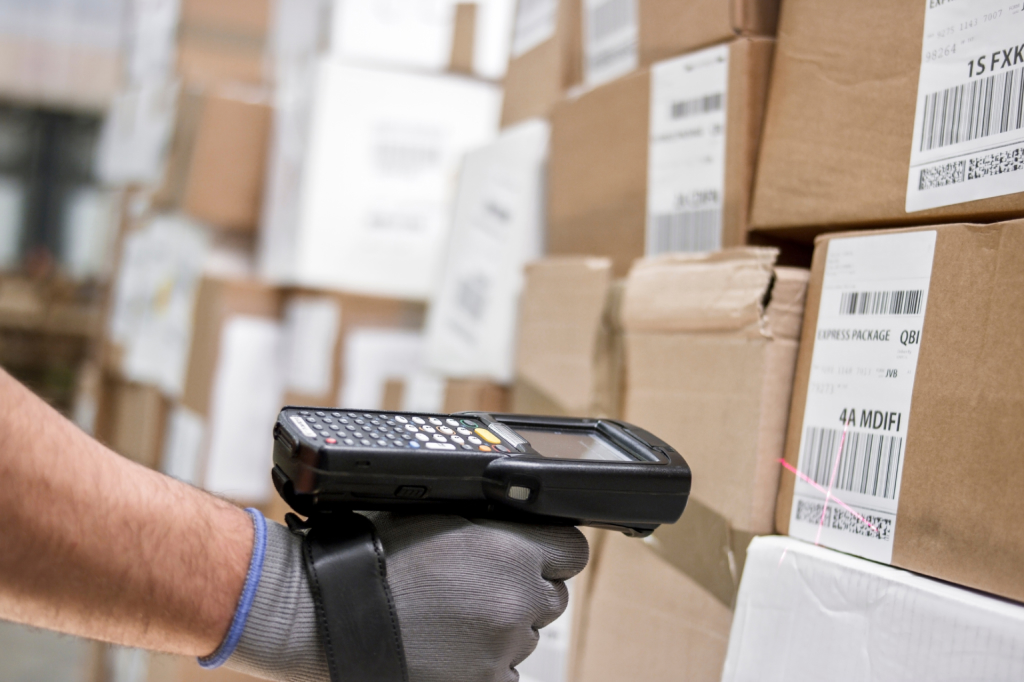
(721, 291)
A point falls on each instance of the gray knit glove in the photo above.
(470, 597)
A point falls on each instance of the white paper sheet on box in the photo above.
(245, 399)
(380, 173)
(498, 227)
(806, 614)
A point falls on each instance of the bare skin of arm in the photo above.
(92, 544)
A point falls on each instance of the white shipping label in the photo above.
(310, 335)
(686, 152)
(969, 127)
(535, 23)
(873, 300)
(611, 38)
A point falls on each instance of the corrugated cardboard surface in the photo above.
(216, 300)
(244, 17)
(710, 369)
(131, 420)
(224, 184)
(645, 620)
(597, 201)
(461, 60)
(671, 27)
(960, 502)
(567, 357)
(710, 355)
(215, 170)
(537, 79)
(839, 123)
(466, 395)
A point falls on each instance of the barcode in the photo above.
(609, 17)
(973, 110)
(837, 518)
(881, 302)
(868, 464)
(699, 230)
(700, 105)
(989, 165)
(471, 295)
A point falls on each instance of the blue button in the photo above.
(414, 444)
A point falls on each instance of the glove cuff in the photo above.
(252, 580)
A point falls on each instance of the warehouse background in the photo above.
(783, 235)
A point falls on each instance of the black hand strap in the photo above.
(358, 621)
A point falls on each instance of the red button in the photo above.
(330, 441)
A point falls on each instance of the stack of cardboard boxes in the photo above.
(873, 423)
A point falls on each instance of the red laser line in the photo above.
(806, 479)
(831, 481)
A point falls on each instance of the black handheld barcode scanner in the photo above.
(594, 472)
(329, 463)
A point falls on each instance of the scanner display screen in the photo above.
(573, 445)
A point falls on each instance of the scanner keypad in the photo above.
(383, 430)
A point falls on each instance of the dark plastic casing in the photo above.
(634, 497)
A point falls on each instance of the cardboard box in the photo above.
(646, 620)
(316, 327)
(711, 346)
(805, 611)
(497, 227)
(944, 376)
(131, 419)
(469, 395)
(545, 59)
(569, 354)
(599, 167)
(839, 128)
(215, 170)
(222, 42)
(371, 202)
(710, 353)
(620, 36)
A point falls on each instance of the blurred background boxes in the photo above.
(951, 503)
(604, 153)
(379, 179)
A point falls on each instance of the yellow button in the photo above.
(487, 436)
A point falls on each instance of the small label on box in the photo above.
(686, 152)
(873, 301)
(969, 127)
(535, 23)
(610, 39)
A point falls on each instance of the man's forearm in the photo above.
(95, 545)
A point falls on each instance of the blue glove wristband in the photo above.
(252, 581)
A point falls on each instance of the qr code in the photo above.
(996, 164)
(840, 519)
(942, 175)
